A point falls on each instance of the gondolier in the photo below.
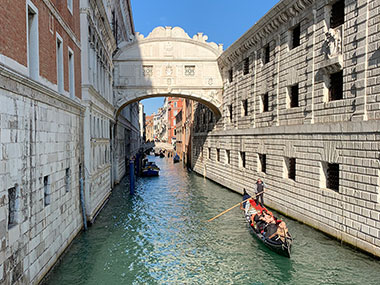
(259, 187)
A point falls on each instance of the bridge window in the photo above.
(337, 14)
(262, 163)
(230, 75)
(189, 70)
(246, 66)
(336, 86)
(296, 35)
(293, 92)
(148, 70)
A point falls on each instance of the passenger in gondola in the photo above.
(280, 233)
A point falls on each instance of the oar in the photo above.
(222, 213)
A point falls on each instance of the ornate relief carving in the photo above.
(169, 70)
(333, 42)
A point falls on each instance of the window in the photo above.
(47, 190)
(330, 176)
(265, 102)
(189, 70)
(336, 86)
(244, 107)
(71, 74)
(33, 50)
(13, 206)
(337, 14)
(246, 66)
(67, 180)
(230, 112)
(148, 70)
(290, 168)
(211, 117)
(59, 64)
(296, 35)
(263, 163)
(209, 153)
(242, 159)
(266, 54)
(230, 75)
(228, 157)
(293, 96)
(70, 5)
(218, 154)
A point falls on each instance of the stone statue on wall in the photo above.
(333, 43)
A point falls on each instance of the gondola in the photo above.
(278, 246)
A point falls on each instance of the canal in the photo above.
(159, 236)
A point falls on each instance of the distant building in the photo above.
(149, 128)
(174, 106)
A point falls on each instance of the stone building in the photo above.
(174, 106)
(149, 128)
(41, 122)
(301, 110)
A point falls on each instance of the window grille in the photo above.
(337, 14)
(336, 86)
(189, 70)
(246, 66)
(296, 36)
(148, 70)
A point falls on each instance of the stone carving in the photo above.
(210, 81)
(330, 152)
(333, 43)
(169, 70)
(289, 150)
(148, 70)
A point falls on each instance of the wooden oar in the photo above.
(222, 213)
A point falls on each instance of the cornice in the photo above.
(55, 99)
(266, 26)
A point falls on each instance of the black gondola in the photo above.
(279, 246)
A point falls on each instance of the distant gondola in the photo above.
(176, 158)
(150, 169)
(278, 246)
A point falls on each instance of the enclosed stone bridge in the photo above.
(168, 63)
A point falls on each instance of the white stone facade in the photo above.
(333, 142)
(40, 158)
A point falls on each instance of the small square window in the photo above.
(246, 66)
(263, 163)
(336, 86)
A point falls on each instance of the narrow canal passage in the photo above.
(159, 236)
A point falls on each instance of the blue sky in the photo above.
(223, 21)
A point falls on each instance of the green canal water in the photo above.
(159, 236)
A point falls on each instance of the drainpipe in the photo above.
(82, 204)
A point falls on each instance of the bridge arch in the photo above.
(168, 63)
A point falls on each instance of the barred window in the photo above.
(148, 70)
(230, 75)
(246, 66)
(336, 86)
(337, 14)
(242, 159)
(296, 36)
(266, 54)
(265, 102)
(245, 107)
(294, 92)
(228, 156)
(263, 163)
(333, 176)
